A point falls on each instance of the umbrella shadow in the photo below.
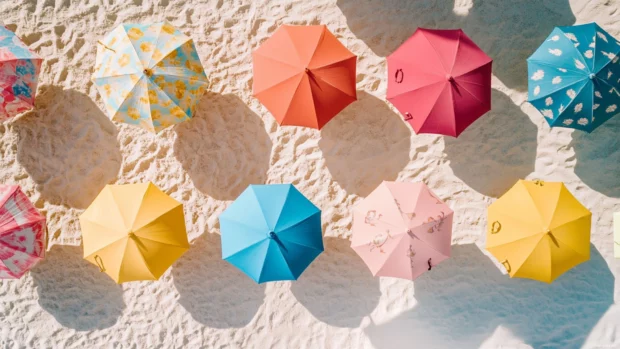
(495, 151)
(67, 146)
(337, 288)
(213, 291)
(464, 299)
(597, 157)
(356, 145)
(75, 292)
(224, 147)
(508, 31)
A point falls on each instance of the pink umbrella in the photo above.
(440, 81)
(402, 230)
(22, 233)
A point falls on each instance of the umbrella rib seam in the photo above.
(434, 50)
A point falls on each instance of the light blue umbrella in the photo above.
(574, 77)
(271, 232)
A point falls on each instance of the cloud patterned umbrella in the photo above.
(574, 77)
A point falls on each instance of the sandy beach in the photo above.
(66, 150)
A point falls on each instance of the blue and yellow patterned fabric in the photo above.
(149, 75)
(574, 77)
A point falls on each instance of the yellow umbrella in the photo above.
(538, 230)
(133, 232)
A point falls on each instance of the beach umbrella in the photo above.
(574, 77)
(149, 75)
(402, 230)
(133, 232)
(304, 76)
(22, 233)
(19, 73)
(440, 81)
(538, 230)
(271, 232)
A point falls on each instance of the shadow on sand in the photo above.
(337, 288)
(75, 292)
(365, 144)
(68, 146)
(598, 155)
(496, 150)
(464, 299)
(213, 291)
(224, 147)
(508, 31)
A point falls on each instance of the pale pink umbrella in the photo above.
(402, 230)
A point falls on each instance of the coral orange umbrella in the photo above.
(440, 81)
(304, 76)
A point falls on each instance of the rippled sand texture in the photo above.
(66, 150)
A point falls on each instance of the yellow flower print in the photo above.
(124, 60)
(187, 49)
(167, 28)
(193, 79)
(180, 89)
(153, 97)
(112, 42)
(146, 47)
(108, 89)
(157, 55)
(135, 34)
(197, 68)
(159, 80)
(166, 103)
(127, 94)
(155, 114)
(144, 100)
(134, 78)
(173, 54)
(177, 112)
(133, 113)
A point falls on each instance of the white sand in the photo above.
(63, 153)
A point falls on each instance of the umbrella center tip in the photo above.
(132, 235)
(272, 234)
(148, 72)
(449, 77)
(592, 76)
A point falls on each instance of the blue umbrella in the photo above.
(574, 77)
(271, 232)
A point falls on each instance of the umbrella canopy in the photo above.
(402, 230)
(304, 76)
(133, 232)
(271, 232)
(538, 230)
(149, 75)
(574, 77)
(440, 81)
(22, 233)
(19, 73)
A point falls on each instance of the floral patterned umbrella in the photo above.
(19, 71)
(22, 233)
(402, 230)
(149, 75)
(574, 77)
